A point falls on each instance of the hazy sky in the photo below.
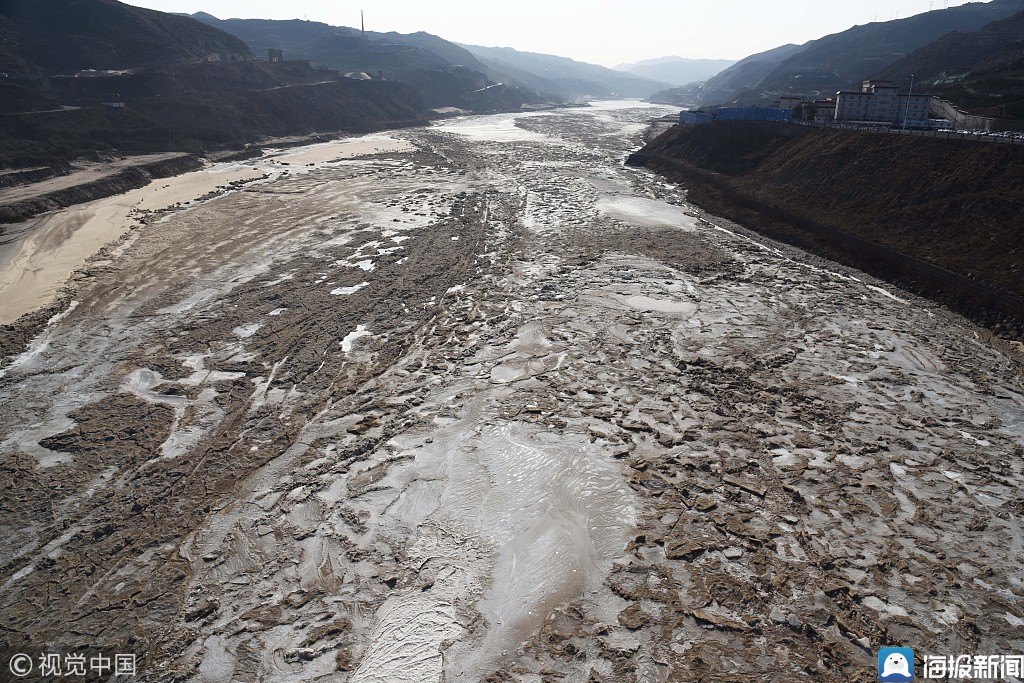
(598, 31)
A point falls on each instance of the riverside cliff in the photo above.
(944, 218)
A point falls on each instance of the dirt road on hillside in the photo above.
(501, 409)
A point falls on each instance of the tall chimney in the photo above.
(362, 23)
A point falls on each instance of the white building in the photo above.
(881, 101)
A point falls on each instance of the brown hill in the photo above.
(199, 106)
(49, 37)
(844, 59)
(982, 72)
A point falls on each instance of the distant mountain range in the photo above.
(677, 70)
(343, 48)
(742, 76)
(562, 76)
(408, 58)
(841, 61)
(444, 74)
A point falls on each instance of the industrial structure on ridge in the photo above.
(876, 104)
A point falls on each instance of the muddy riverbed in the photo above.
(485, 405)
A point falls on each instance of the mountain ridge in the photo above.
(841, 60)
(743, 75)
(443, 73)
(837, 61)
(677, 70)
(572, 78)
(981, 71)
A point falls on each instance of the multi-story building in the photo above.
(881, 102)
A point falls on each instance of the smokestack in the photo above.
(362, 23)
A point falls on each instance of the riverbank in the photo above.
(942, 218)
(86, 182)
(39, 257)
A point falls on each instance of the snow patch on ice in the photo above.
(40, 344)
(647, 303)
(345, 291)
(885, 293)
(246, 331)
(346, 343)
(648, 213)
(279, 280)
(883, 607)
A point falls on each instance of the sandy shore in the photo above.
(337, 150)
(33, 269)
(88, 172)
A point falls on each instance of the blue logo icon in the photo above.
(896, 664)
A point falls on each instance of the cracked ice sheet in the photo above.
(498, 128)
(648, 213)
(538, 521)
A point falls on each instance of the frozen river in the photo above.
(480, 403)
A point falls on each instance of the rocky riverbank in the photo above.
(944, 218)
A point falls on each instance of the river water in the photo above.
(503, 409)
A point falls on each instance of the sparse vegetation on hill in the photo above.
(16, 99)
(180, 85)
(982, 72)
(233, 118)
(343, 48)
(843, 60)
(190, 107)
